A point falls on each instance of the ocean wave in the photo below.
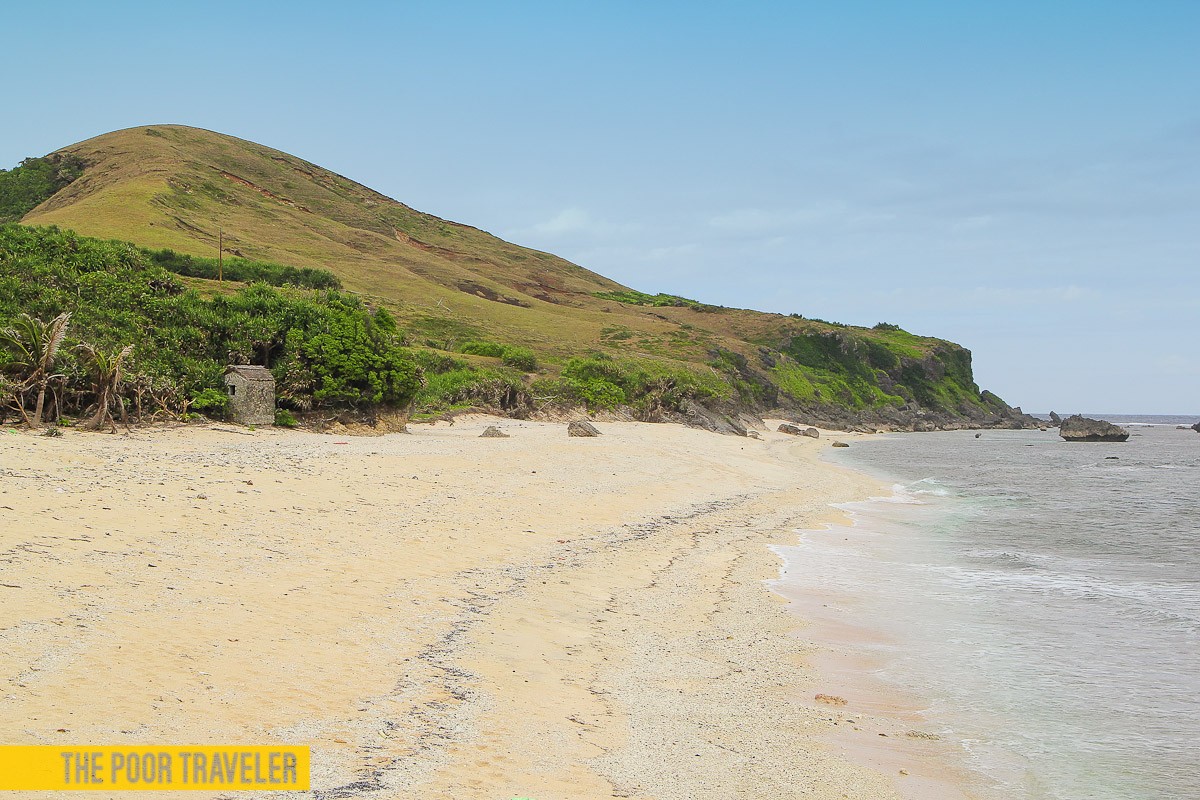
(1146, 601)
(1018, 558)
(900, 494)
(911, 493)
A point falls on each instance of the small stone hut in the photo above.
(251, 394)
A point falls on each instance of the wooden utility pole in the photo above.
(220, 255)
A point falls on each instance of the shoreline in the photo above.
(434, 613)
(1017, 614)
(876, 723)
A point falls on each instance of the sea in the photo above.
(1038, 601)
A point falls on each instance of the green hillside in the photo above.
(489, 323)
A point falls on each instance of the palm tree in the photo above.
(105, 370)
(32, 346)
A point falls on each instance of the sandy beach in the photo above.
(438, 615)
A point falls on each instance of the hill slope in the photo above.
(176, 187)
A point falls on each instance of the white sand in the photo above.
(436, 614)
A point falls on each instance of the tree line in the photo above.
(95, 330)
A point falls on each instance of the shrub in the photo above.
(635, 298)
(521, 358)
(432, 363)
(285, 418)
(595, 380)
(466, 387)
(243, 270)
(489, 349)
(212, 402)
(596, 392)
(647, 386)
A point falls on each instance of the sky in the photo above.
(1022, 178)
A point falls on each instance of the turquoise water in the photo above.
(1041, 598)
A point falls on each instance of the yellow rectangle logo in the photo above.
(151, 767)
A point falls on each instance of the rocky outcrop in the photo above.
(839, 444)
(695, 415)
(1196, 427)
(582, 427)
(911, 417)
(750, 421)
(1055, 418)
(867, 381)
(796, 430)
(1082, 429)
(492, 432)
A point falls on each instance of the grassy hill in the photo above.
(452, 287)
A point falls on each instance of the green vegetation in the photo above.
(886, 366)
(469, 387)
(243, 270)
(31, 347)
(648, 387)
(838, 368)
(453, 385)
(816, 387)
(521, 358)
(36, 180)
(490, 349)
(104, 369)
(142, 341)
(598, 381)
(212, 402)
(635, 298)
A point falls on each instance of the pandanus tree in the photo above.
(32, 347)
(105, 371)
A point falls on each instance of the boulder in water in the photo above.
(1081, 429)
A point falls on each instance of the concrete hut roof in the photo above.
(251, 373)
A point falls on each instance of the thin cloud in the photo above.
(990, 296)
(756, 221)
(571, 222)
